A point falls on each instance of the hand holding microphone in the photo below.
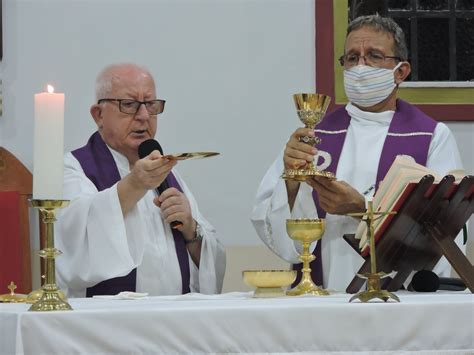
(145, 149)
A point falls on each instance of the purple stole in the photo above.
(99, 166)
(409, 133)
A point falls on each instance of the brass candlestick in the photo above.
(36, 295)
(311, 109)
(306, 231)
(51, 298)
(373, 278)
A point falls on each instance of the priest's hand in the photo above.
(146, 174)
(149, 172)
(337, 197)
(175, 206)
(297, 154)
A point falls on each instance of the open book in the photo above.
(402, 177)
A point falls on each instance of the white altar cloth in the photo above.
(435, 323)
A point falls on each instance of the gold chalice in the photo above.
(306, 231)
(269, 283)
(311, 109)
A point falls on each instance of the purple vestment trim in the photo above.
(99, 166)
(410, 133)
(407, 120)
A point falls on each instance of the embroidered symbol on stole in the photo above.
(322, 160)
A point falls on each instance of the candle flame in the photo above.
(50, 89)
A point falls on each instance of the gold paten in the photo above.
(194, 155)
(373, 278)
(306, 231)
(311, 109)
(12, 297)
(269, 283)
(51, 298)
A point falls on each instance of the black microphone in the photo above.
(144, 149)
(428, 281)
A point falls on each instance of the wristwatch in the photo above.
(198, 237)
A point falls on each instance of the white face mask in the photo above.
(366, 86)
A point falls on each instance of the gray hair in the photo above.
(384, 24)
(109, 75)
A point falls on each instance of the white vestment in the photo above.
(99, 243)
(357, 166)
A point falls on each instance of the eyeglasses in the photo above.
(131, 107)
(372, 59)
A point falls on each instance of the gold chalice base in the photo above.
(49, 204)
(306, 287)
(305, 174)
(269, 283)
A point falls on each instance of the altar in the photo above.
(434, 323)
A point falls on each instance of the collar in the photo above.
(121, 161)
(380, 118)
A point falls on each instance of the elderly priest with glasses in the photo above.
(359, 143)
(116, 235)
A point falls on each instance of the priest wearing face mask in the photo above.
(359, 143)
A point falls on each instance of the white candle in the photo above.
(48, 146)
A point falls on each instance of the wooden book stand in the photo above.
(423, 230)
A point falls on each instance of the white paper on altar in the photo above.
(124, 295)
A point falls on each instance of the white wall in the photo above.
(226, 68)
(464, 133)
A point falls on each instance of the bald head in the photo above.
(112, 76)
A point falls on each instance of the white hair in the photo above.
(106, 78)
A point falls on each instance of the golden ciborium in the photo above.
(311, 109)
(269, 283)
(12, 297)
(306, 231)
